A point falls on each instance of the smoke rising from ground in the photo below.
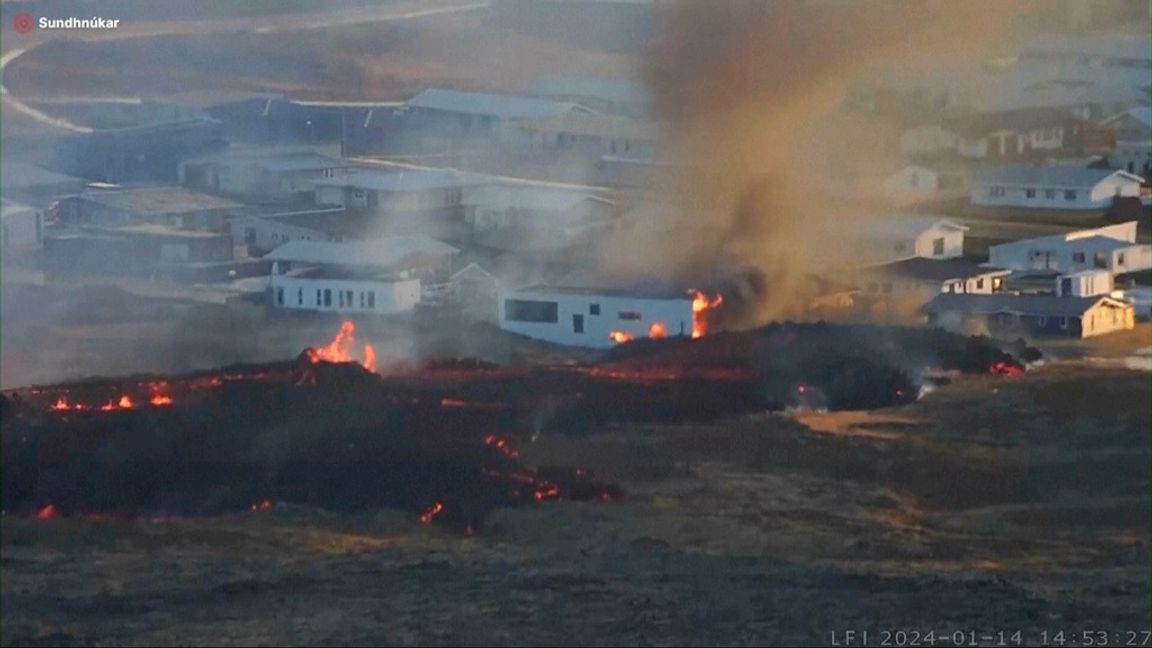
(749, 87)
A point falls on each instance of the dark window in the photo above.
(630, 315)
(1100, 261)
(577, 323)
(1120, 258)
(1077, 257)
(300, 297)
(372, 299)
(524, 310)
(340, 298)
(593, 309)
(348, 298)
(250, 236)
(327, 298)
(1029, 193)
(1069, 194)
(279, 296)
(937, 246)
(361, 299)
(980, 284)
(318, 299)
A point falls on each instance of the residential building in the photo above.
(149, 153)
(265, 232)
(144, 250)
(1111, 248)
(592, 134)
(382, 276)
(172, 206)
(1133, 133)
(917, 183)
(626, 97)
(35, 185)
(21, 228)
(901, 286)
(479, 113)
(1032, 315)
(1053, 187)
(543, 211)
(1009, 134)
(891, 237)
(267, 175)
(593, 317)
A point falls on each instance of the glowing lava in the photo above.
(1005, 368)
(657, 330)
(340, 348)
(433, 511)
(701, 304)
(46, 513)
(620, 337)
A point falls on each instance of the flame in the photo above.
(125, 403)
(46, 513)
(657, 330)
(432, 512)
(339, 349)
(620, 337)
(701, 304)
(1005, 368)
(62, 404)
(160, 400)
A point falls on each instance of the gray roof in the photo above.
(491, 105)
(937, 270)
(536, 198)
(20, 175)
(274, 159)
(1041, 305)
(1099, 244)
(1049, 176)
(158, 200)
(618, 91)
(382, 253)
(402, 181)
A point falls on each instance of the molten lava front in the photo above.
(340, 348)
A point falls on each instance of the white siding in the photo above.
(675, 314)
(300, 293)
(953, 243)
(1053, 196)
(927, 140)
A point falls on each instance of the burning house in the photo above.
(600, 317)
(378, 277)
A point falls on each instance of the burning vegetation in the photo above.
(439, 440)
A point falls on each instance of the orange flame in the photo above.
(701, 304)
(46, 513)
(657, 330)
(620, 337)
(339, 349)
(160, 400)
(62, 404)
(432, 512)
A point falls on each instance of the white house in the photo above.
(21, 228)
(593, 134)
(269, 231)
(547, 212)
(1111, 248)
(456, 111)
(909, 283)
(916, 183)
(262, 174)
(1052, 187)
(592, 317)
(1032, 315)
(1133, 131)
(382, 276)
(890, 237)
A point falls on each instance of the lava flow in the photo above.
(620, 337)
(340, 348)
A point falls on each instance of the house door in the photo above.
(577, 323)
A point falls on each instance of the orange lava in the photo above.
(620, 337)
(657, 330)
(701, 304)
(433, 511)
(160, 400)
(340, 348)
(501, 445)
(46, 513)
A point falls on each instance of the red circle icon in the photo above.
(23, 22)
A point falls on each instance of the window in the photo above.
(1064, 323)
(996, 192)
(361, 299)
(340, 298)
(279, 296)
(900, 247)
(1099, 260)
(593, 309)
(1119, 258)
(997, 282)
(577, 323)
(630, 315)
(327, 298)
(1050, 194)
(372, 299)
(318, 299)
(348, 298)
(300, 297)
(1029, 193)
(938, 246)
(1069, 194)
(1077, 257)
(524, 310)
(250, 236)
(980, 284)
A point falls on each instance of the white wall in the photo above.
(675, 314)
(1053, 196)
(1055, 254)
(271, 233)
(927, 140)
(389, 296)
(953, 243)
(22, 229)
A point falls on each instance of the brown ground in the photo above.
(990, 504)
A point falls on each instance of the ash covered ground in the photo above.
(991, 503)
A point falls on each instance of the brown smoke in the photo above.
(747, 86)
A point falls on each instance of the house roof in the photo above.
(540, 199)
(158, 200)
(1042, 305)
(593, 125)
(1100, 244)
(1050, 176)
(385, 252)
(637, 293)
(491, 105)
(904, 225)
(1017, 120)
(302, 161)
(1140, 114)
(20, 175)
(936, 270)
(405, 181)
